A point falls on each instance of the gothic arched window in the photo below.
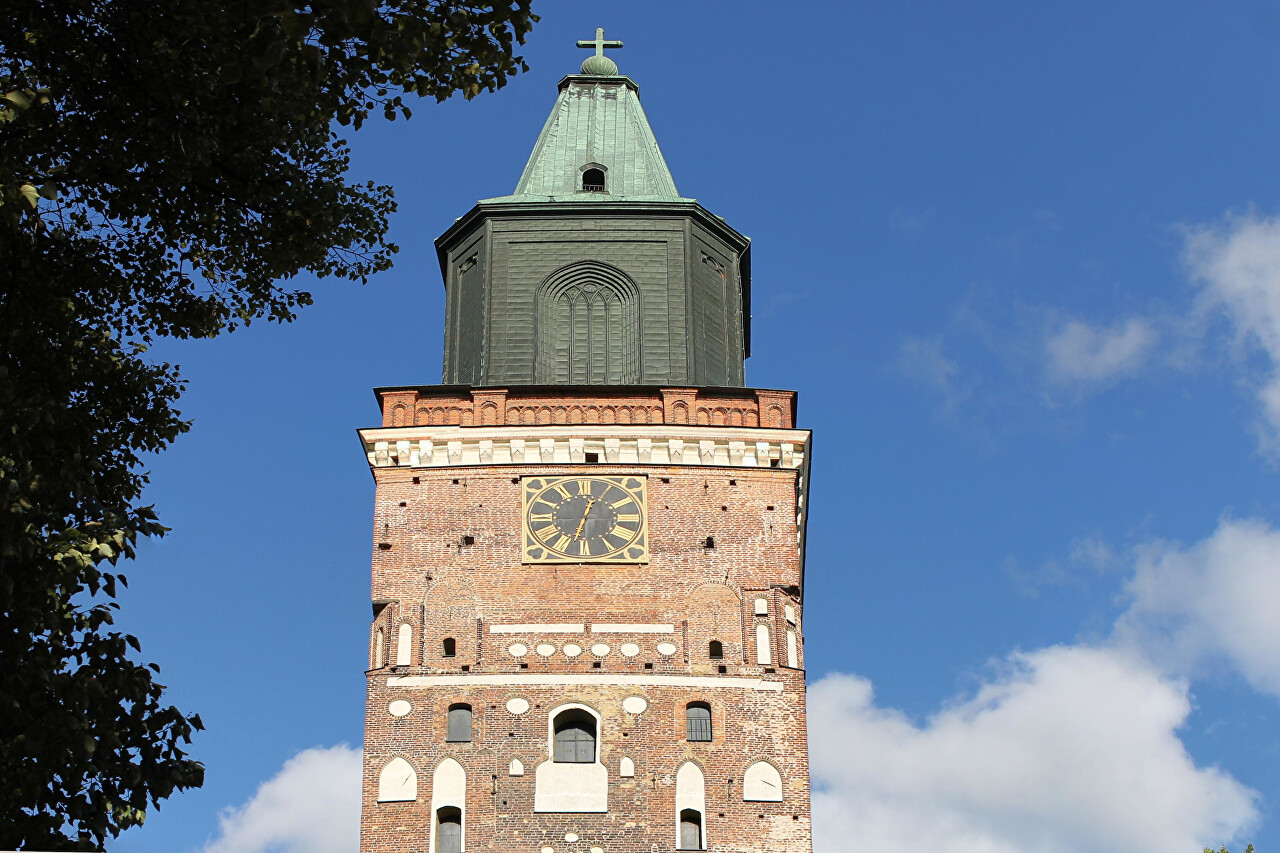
(449, 830)
(588, 327)
(593, 181)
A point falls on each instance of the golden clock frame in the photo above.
(533, 551)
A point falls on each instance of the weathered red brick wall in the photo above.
(428, 576)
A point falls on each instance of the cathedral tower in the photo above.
(588, 558)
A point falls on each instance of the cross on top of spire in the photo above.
(599, 64)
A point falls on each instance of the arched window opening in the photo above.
(690, 830)
(697, 717)
(404, 644)
(459, 727)
(379, 643)
(450, 647)
(449, 830)
(593, 181)
(575, 737)
(716, 650)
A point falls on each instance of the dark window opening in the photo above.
(698, 718)
(450, 647)
(775, 463)
(449, 830)
(690, 830)
(459, 728)
(468, 540)
(591, 458)
(710, 543)
(575, 737)
(593, 181)
(715, 650)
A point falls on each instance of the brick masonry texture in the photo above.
(446, 560)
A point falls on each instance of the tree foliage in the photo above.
(1248, 849)
(166, 169)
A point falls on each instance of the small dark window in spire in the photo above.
(716, 650)
(450, 647)
(593, 181)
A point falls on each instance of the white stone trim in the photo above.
(636, 628)
(656, 444)
(539, 628)
(571, 679)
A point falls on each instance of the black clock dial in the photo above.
(585, 518)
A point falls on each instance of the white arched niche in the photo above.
(764, 650)
(762, 784)
(404, 644)
(398, 783)
(448, 790)
(691, 794)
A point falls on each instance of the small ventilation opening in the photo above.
(468, 540)
(710, 543)
(593, 181)
(591, 458)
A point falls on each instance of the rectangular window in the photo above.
(698, 719)
(459, 728)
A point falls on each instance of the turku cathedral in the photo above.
(588, 549)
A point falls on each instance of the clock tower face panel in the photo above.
(585, 519)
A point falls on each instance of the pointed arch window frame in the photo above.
(548, 352)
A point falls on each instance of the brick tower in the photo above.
(588, 555)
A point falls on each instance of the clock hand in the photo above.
(577, 534)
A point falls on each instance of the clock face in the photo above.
(585, 520)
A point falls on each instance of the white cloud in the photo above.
(311, 806)
(1071, 749)
(1238, 263)
(923, 360)
(1081, 353)
(1212, 602)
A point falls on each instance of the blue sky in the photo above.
(1022, 265)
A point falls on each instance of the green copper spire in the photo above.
(596, 145)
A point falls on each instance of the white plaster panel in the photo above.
(516, 768)
(790, 613)
(517, 705)
(600, 650)
(626, 768)
(571, 788)
(448, 788)
(404, 644)
(762, 607)
(571, 837)
(793, 652)
(635, 704)
(572, 650)
(691, 793)
(539, 628)
(762, 784)
(545, 649)
(398, 783)
(630, 650)
(666, 649)
(632, 628)
(518, 650)
(399, 708)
